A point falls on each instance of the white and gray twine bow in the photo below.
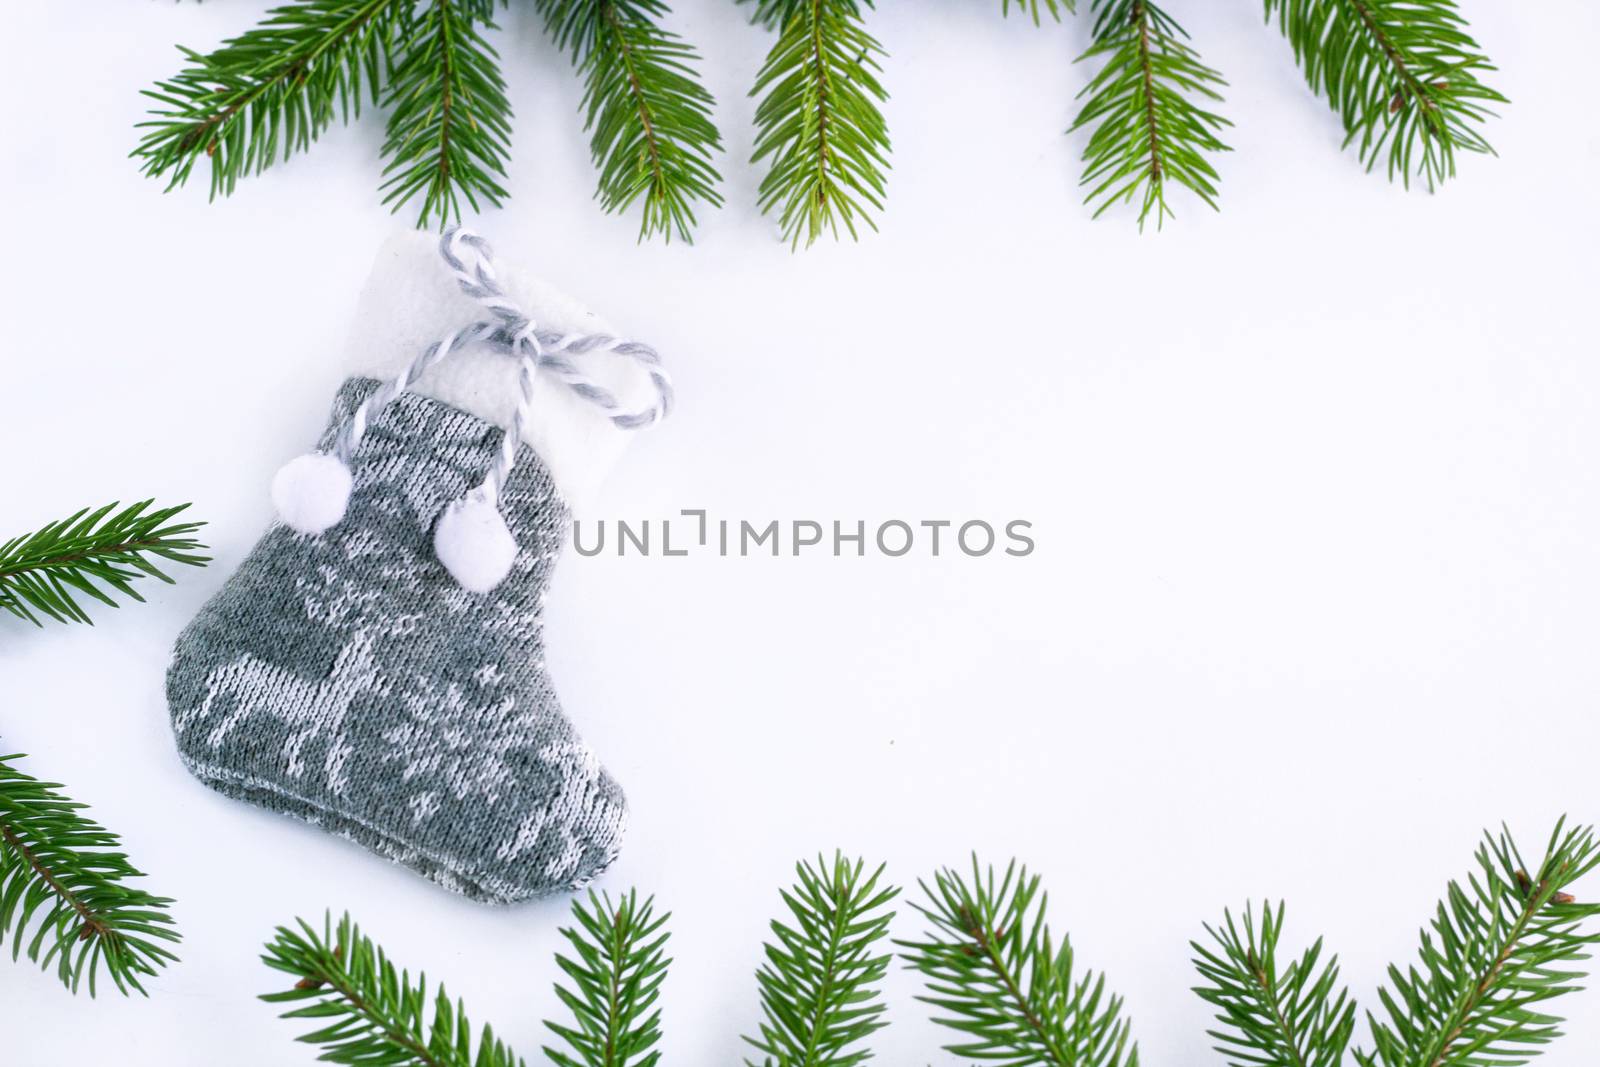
(312, 492)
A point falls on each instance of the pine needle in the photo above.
(368, 1011)
(449, 130)
(820, 996)
(63, 897)
(616, 970)
(818, 120)
(271, 91)
(1294, 1014)
(1146, 109)
(994, 975)
(648, 116)
(1404, 77)
(1037, 8)
(83, 555)
(1498, 949)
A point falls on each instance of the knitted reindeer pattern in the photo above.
(346, 679)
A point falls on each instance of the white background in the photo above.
(1317, 588)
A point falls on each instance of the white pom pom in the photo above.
(311, 492)
(473, 543)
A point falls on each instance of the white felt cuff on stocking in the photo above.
(411, 301)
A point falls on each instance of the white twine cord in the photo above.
(471, 261)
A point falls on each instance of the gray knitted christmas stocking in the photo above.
(375, 665)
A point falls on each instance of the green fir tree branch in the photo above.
(369, 1012)
(820, 996)
(648, 116)
(818, 121)
(1498, 949)
(994, 976)
(271, 91)
(1290, 1015)
(44, 573)
(1147, 109)
(449, 129)
(63, 893)
(616, 970)
(1404, 76)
